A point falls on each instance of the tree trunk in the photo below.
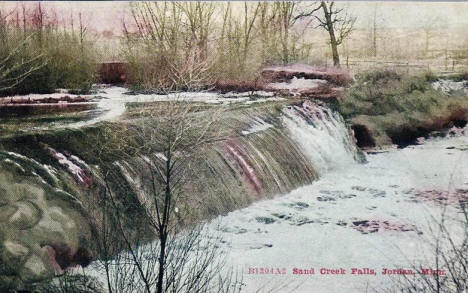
(162, 259)
(163, 229)
(331, 32)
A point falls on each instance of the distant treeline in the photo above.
(167, 45)
(39, 55)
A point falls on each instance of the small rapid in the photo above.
(272, 147)
(364, 218)
(322, 135)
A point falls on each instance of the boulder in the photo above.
(306, 81)
(41, 231)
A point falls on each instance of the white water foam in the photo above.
(313, 226)
(322, 135)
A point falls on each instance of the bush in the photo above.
(60, 58)
(194, 45)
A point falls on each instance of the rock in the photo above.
(35, 217)
(364, 223)
(3, 199)
(342, 223)
(377, 192)
(373, 226)
(282, 216)
(265, 220)
(301, 205)
(26, 216)
(302, 221)
(459, 196)
(359, 188)
(43, 99)
(34, 269)
(312, 88)
(6, 212)
(333, 75)
(363, 136)
(14, 252)
(325, 198)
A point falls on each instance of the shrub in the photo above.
(61, 58)
(193, 45)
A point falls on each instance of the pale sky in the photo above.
(107, 15)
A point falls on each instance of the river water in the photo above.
(375, 215)
(357, 218)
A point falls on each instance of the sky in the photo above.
(107, 15)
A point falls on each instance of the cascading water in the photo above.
(322, 135)
(272, 149)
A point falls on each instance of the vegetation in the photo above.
(448, 257)
(397, 107)
(40, 55)
(188, 45)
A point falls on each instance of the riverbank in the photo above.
(386, 107)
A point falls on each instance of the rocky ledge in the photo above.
(294, 80)
(56, 98)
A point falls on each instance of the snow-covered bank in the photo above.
(108, 104)
(321, 225)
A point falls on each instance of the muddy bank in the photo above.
(404, 134)
(385, 107)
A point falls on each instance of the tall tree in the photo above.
(374, 30)
(285, 13)
(338, 23)
(183, 258)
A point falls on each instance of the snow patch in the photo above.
(257, 126)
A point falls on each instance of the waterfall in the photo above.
(321, 134)
(271, 150)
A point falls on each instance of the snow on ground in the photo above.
(446, 85)
(111, 101)
(257, 126)
(321, 225)
(297, 84)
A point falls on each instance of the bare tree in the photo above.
(184, 257)
(446, 270)
(180, 130)
(173, 40)
(13, 72)
(285, 13)
(374, 30)
(14, 68)
(336, 21)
